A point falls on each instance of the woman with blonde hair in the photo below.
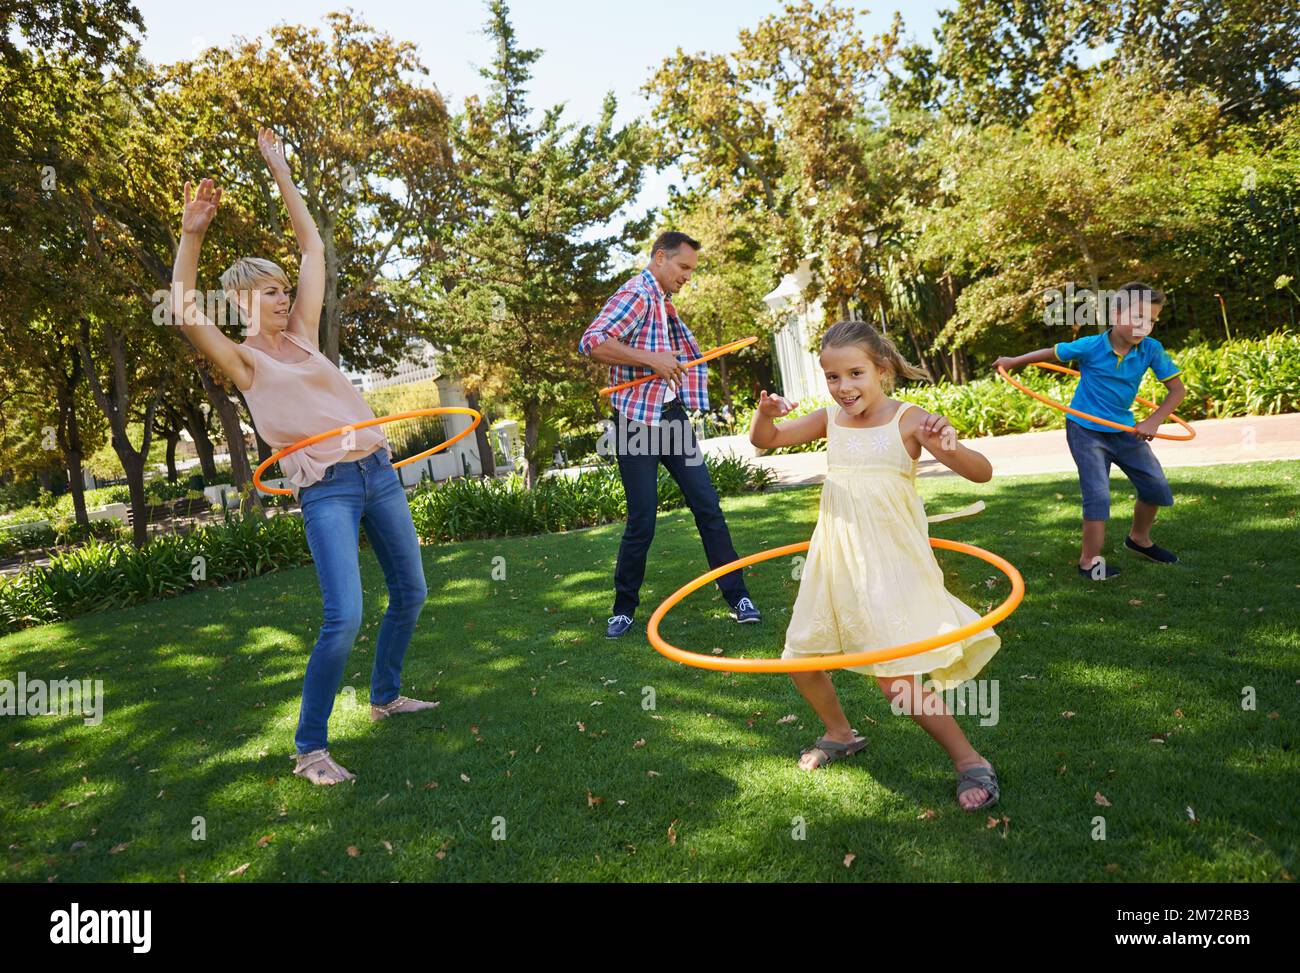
(294, 392)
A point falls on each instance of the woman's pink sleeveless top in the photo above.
(294, 401)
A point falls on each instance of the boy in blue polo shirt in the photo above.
(1111, 367)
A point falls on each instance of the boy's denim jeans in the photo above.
(1093, 453)
(364, 492)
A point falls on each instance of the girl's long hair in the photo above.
(882, 352)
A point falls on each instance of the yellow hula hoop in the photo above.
(304, 443)
(1191, 433)
(707, 356)
(815, 663)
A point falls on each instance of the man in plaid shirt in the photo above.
(651, 425)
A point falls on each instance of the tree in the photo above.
(368, 146)
(724, 300)
(995, 58)
(1030, 211)
(528, 265)
(780, 126)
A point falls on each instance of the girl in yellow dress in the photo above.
(870, 579)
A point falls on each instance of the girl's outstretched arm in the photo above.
(304, 317)
(765, 434)
(200, 208)
(937, 435)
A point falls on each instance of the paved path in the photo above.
(1249, 439)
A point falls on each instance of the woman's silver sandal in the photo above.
(320, 768)
(402, 704)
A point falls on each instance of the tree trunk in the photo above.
(264, 450)
(172, 439)
(532, 427)
(487, 462)
(133, 465)
(70, 439)
(115, 402)
(196, 424)
(329, 319)
(726, 383)
(241, 474)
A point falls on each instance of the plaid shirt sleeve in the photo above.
(621, 315)
(633, 316)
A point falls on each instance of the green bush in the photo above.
(46, 506)
(112, 574)
(462, 509)
(1249, 376)
(162, 490)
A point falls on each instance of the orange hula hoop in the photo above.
(813, 663)
(1191, 433)
(707, 356)
(304, 443)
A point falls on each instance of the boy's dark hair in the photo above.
(1135, 291)
(671, 242)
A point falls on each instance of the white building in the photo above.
(801, 371)
(418, 365)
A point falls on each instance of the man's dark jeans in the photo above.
(678, 450)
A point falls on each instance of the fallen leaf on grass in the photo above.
(238, 871)
(265, 840)
(353, 851)
(592, 801)
(117, 848)
(672, 832)
(786, 719)
(848, 859)
(639, 744)
(1100, 798)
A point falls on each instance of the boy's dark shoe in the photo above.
(1155, 552)
(1100, 571)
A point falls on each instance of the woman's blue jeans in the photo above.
(364, 492)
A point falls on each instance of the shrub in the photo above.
(1249, 376)
(113, 574)
(462, 509)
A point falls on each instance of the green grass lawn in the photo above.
(541, 733)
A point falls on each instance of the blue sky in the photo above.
(591, 46)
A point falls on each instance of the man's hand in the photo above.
(775, 406)
(936, 434)
(269, 144)
(667, 367)
(200, 207)
(1006, 361)
(1146, 429)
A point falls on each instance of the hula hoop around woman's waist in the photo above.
(310, 440)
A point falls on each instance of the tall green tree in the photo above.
(529, 262)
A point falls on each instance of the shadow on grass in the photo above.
(199, 687)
